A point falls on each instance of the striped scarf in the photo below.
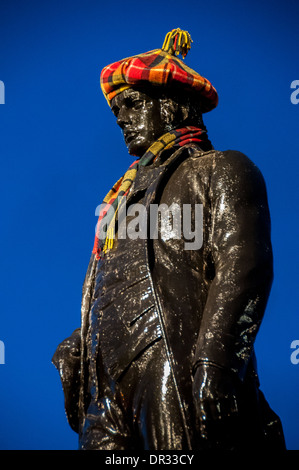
(112, 201)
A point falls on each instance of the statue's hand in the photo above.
(216, 402)
(67, 350)
(67, 360)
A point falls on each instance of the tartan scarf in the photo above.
(114, 198)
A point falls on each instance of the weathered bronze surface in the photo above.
(164, 359)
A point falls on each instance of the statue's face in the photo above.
(140, 119)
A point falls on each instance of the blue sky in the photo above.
(61, 151)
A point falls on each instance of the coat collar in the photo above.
(148, 175)
(145, 177)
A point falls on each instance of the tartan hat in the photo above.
(160, 67)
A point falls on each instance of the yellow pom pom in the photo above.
(177, 42)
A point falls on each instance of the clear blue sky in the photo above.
(61, 151)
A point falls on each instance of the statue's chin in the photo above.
(137, 149)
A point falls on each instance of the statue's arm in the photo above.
(242, 257)
(243, 264)
(67, 357)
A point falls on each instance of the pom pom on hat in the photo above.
(177, 42)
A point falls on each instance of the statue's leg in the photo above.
(139, 412)
(148, 394)
(105, 427)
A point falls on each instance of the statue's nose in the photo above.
(123, 117)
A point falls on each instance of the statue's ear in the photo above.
(172, 112)
(184, 111)
(169, 110)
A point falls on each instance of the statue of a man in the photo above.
(164, 358)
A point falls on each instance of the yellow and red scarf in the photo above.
(114, 198)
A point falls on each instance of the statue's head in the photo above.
(154, 92)
(146, 114)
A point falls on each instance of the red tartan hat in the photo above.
(159, 67)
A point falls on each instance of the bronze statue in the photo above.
(164, 358)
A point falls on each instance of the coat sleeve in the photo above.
(242, 261)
